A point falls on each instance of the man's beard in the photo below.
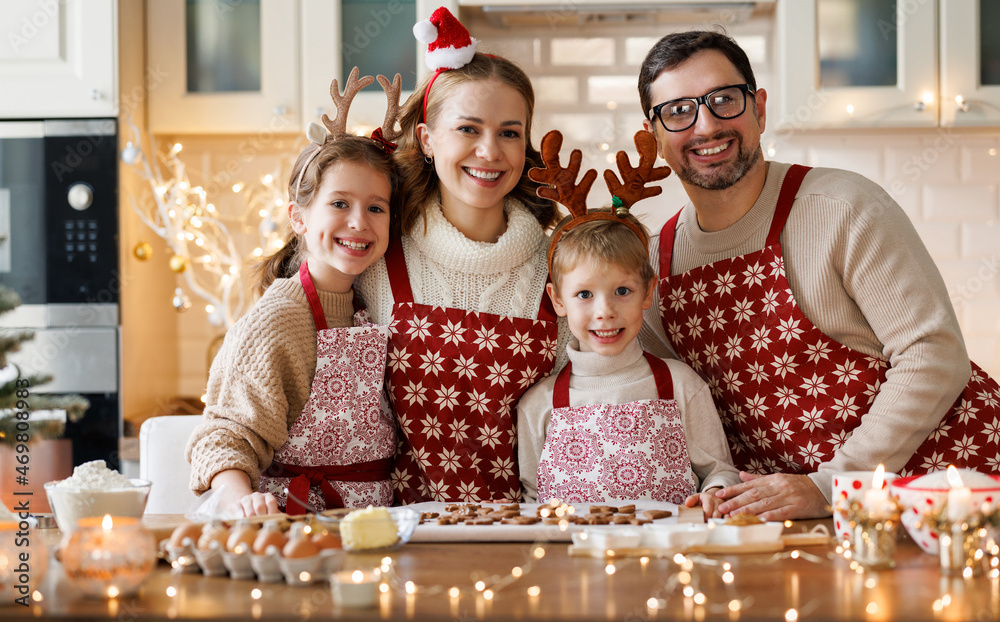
(724, 175)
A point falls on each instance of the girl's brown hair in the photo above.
(419, 177)
(286, 261)
(602, 241)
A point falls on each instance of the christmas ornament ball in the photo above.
(143, 251)
(178, 264)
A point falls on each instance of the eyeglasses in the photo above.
(678, 115)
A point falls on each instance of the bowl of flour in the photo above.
(95, 490)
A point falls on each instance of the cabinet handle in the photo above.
(280, 110)
(961, 104)
(96, 95)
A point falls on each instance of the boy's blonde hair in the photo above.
(607, 241)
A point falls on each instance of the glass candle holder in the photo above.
(874, 545)
(356, 588)
(109, 556)
(962, 550)
(23, 561)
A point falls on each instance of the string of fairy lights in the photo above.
(204, 250)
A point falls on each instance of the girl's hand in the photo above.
(256, 504)
(707, 500)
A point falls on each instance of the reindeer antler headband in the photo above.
(338, 125)
(560, 183)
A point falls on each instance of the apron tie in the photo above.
(308, 476)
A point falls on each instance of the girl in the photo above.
(464, 287)
(294, 398)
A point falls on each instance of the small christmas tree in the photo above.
(18, 394)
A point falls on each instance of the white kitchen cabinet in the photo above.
(61, 58)
(376, 36)
(221, 66)
(970, 63)
(888, 63)
(857, 63)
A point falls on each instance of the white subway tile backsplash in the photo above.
(524, 52)
(985, 351)
(969, 281)
(960, 202)
(981, 240)
(943, 240)
(636, 49)
(556, 90)
(866, 161)
(620, 89)
(981, 317)
(980, 160)
(937, 160)
(584, 127)
(585, 52)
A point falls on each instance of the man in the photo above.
(804, 297)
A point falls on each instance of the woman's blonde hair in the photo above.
(602, 241)
(286, 261)
(419, 177)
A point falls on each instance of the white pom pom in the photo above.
(425, 31)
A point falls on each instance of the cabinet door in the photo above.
(970, 63)
(219, 66)
(61, 58)
(375, 35)
(856, 63)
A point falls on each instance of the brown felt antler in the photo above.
(634, 189)
(338, 126)
(392, 90)
(561, 182)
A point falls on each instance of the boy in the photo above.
(616, 423)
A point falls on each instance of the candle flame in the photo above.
(357, 576)
(954, 479)
(879, 477)
(106, 524)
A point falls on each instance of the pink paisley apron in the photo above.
(339, 450)
(604, 452)
(788, 395)
(454, 377)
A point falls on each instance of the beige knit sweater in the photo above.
(861, 274)
(259, 382)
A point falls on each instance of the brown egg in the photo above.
(300, 546)
(327, 540)
(185, 531)
(242, 534)
(268, 537)
(214, 532)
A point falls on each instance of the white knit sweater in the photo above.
(447, 269)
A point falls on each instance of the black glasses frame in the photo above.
(698, 101)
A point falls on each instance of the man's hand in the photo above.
(774, 497)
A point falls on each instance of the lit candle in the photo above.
(959, 497)
(109, 557)
(355, 588)
(877, 496)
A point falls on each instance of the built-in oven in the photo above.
(59, 253)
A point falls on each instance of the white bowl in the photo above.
(738, 535)
(677, 536)
(918, 501)
(71, 504)
(608, 538)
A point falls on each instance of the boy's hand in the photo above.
(707, 500)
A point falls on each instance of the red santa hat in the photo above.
(449, 45)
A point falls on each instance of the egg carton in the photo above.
(271, 567)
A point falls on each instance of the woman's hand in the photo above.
(707, 500)
(255, 504)
(775, 497)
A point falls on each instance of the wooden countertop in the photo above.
(817, 583)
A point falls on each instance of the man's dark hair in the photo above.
(677, 47)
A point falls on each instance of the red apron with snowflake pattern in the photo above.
(788, 395)
(339, 450)
(454, 378)
(616, 452)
